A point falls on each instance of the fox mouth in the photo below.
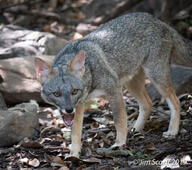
(68, 119)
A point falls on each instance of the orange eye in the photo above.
(57, 93)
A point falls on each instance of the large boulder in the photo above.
(18, 42)
(182, 80)
(18, 48)
(19, 83)
(17, 123)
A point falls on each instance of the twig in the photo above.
(134, 115)
(184, 95)
(157, 110)
(96, 130)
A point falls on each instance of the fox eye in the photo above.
(74, 91)
(57, 94)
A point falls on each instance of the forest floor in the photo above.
(50, 147)
(146, 150)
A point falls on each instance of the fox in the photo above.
(119, 54)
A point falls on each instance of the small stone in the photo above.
(182, 131)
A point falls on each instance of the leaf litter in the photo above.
(51, 148)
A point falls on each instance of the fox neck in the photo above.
(87, 79)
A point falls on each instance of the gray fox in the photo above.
(119, 54)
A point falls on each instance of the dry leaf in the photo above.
(35, 162)
(55, 161)
(185, 160)
(91, 160)
(24, 160)
(150, 146)
(31, 144)
(72, 159)
(50, 130)
(94, 125)
(59, 161)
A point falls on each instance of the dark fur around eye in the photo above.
(74, 91)
(57, 93)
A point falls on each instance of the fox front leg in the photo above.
(77, 131)
(119, 116)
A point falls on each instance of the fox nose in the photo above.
(69, 110)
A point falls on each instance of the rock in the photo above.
(182, 80)
(24, 20)
(19, 83)
(3, 19)
(96, 11)
(3, 105)
(85, 28)
(18, 48)
(18, 42)
(183, 131)
(17, 123)
(99, 8)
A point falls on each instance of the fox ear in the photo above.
(77, 65)
(43, 69)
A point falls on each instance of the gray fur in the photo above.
(121, 52)
(124, 45)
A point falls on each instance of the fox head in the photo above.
(62, 88)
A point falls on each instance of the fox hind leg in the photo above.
(161, 78)
(136, 87)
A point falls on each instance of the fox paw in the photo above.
(169, 135)
(117, 145)
(72, 158)
(72, 154)
(137, 128)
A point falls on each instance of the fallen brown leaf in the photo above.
(35, 162)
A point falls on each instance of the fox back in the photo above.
(117, 48)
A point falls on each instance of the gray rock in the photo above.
(19, 83)
(18, 42)
(182, 80)
(94, 9)
(85, 28)
(17, 123)
(3, 105)
(18, 48)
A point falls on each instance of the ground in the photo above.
(48, 150)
